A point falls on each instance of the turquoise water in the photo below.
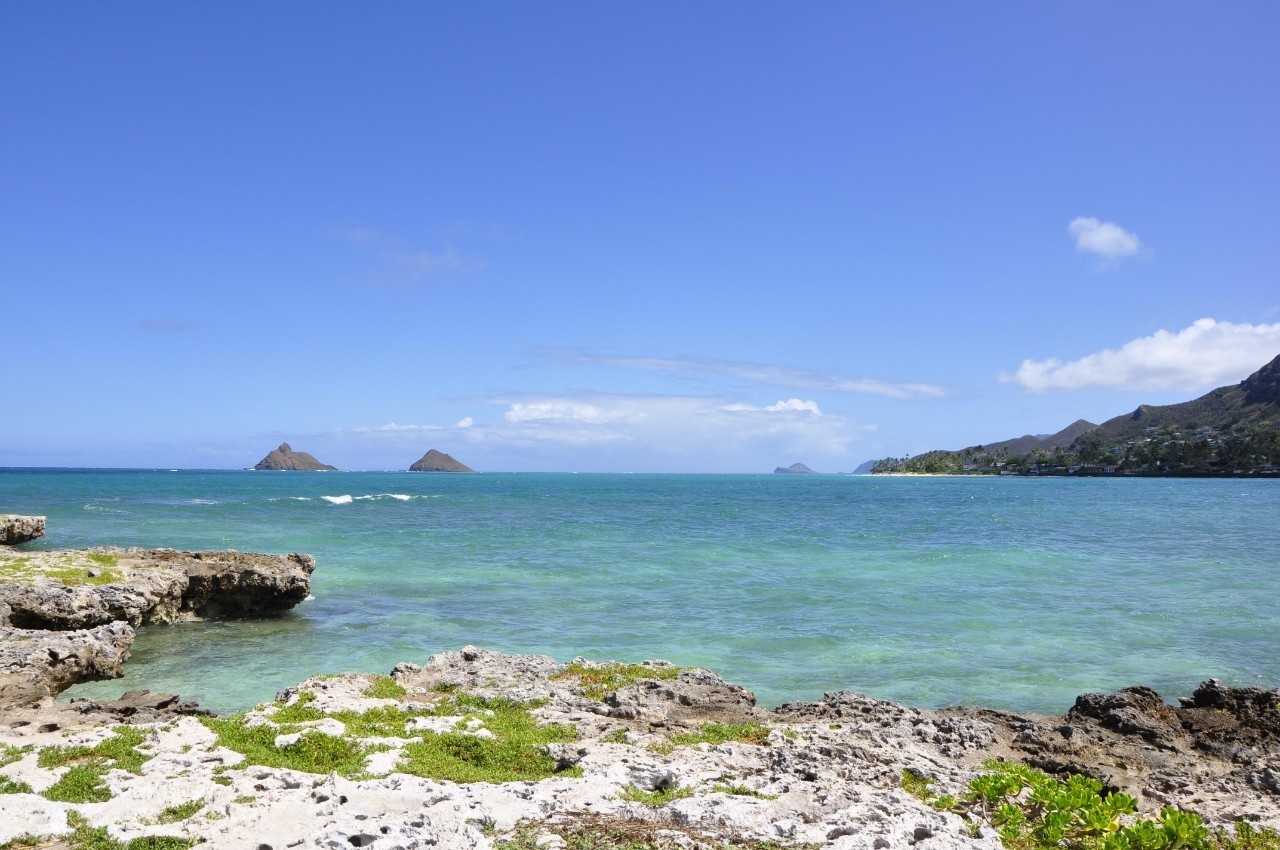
(1013, 593)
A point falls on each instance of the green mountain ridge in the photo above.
(1230, 430)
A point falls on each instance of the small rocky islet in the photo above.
(285, 459)
(480, 749)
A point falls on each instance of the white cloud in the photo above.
(757, 373)
(1108, 240)
(1205, 355)
(618, 432)
(670, 425)
(789, 405)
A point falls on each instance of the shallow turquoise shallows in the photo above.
(1011, 593)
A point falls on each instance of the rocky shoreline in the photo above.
(68, 616)
(479, 749)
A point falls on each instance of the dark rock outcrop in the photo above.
(795, 468)
(285, 458)
(157, 586)
(67, 616)
(435, 461)
(35, 664)
(19, 529)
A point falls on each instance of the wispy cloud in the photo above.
(165, 325)
(756, 373)
(680, 431)
(1105, 239)
(1204, 355)
(393, 265)
(694, 424)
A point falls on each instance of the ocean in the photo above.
(1015, 593)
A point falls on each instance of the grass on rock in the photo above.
(84, 781)
(654, 799)
(513, 753)
(599, 680)
(716, 734)
(385, 687)
(69, 568)
(737, 790)
(182, 811)
(1034, 811)
(600, 832)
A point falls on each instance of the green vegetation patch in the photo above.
(182, 811)
(9, 753)
(385, 687)
(87, 837)
(84, 781)
(738, 790)
(1034, 811)
(513, 754)
(599, 832)
(314, 752)
(12, 786)
(68, 568)
(654, 799)
(598, 680)
(917, 785)
(119, 750)
(721, 733)
(300, 711)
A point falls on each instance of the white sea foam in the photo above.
(401, 497)
(94, 506)
(202, 502)
(337, 500)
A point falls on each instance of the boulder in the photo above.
(19, 529)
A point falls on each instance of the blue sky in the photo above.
(623, 236)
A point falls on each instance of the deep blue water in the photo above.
(1015, 593)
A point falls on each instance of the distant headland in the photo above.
(1233, 431)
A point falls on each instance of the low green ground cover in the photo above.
(68, 568)
(385, 687)
(716, 734)
(84, 781)
(512, 753)
(598, 680)
(597, 832)
(1034, 811)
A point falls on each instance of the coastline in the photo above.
(408, 759)
(631, 746)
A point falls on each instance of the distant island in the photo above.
(435, 461)
(1231, 431)
(795, 468)
(285, 458)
